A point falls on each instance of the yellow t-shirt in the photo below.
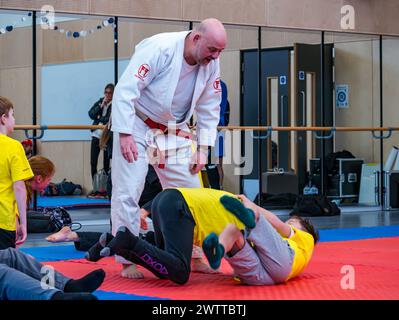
(207, 211)
(14, 166)
(303, 244)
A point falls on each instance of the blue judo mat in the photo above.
(328, 235)
(108, 295)
(66, 252)
(54, 253)
(71, 202)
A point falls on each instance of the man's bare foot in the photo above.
(199, 265)
(130, 271)
(64, 235)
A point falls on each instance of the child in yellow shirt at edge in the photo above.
(14, 170)
(272, 252)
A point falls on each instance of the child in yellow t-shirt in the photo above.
(14, 170)
(272, 252)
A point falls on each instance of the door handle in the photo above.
(282, 97)
(303, 94)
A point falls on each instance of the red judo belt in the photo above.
(158, 126)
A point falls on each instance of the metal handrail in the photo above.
(254, 128)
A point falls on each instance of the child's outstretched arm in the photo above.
(283, 228)
(20, 196)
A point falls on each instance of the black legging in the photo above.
(94, 152)
(7, 239)
(86, 240)
(173, 223)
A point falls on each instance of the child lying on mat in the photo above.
(24, 278)
(272, 253)
(181, 217)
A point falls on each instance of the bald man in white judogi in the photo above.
(170, 76)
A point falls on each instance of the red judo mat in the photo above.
(373, 262)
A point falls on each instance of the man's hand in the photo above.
(198, 160)
(128, 147)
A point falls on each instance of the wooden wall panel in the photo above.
(16, 85)
(354, 66)
(272, 38)
(390, 72)
(125, 44)
(342, 38)
(302, 36)
(70, 159)
(390, 51)
(372, 16)
(100, 44)
(241, 38)
(229, 11)
(385, 17)
(368, 91)
(312, 14)
(132, 31)
(275, 37)
(139, 8)
(57, 48)
(230, 73)
(16, 48)
(80, 6)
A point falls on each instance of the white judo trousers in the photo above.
(128, 180)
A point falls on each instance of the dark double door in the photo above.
(290, 96)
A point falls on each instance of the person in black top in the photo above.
(100, 113)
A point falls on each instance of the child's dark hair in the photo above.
(308, 226)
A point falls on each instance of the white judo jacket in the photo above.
(155, 67)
